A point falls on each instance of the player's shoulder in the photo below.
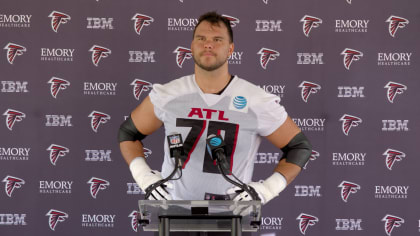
(253, 92)
(176, 87)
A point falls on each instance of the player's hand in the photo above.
(160, 192)
(244, 196)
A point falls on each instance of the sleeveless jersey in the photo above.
(241, 115)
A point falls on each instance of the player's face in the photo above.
(210, 46)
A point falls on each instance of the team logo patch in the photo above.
(56, 216)
(239, 103)
(266, 56)
(391, 156)
(396, 22)
(181, 55)
(134, 224)
(348, 122)
(13, 116)
(307, 89)
(98, 118)
(350, 55)
(99, 52)
(310, 22)
(57, 84)
(233, 20)
(314, 155)
(392, 222)
(57, 151)
(140, 21)
(305, 221)
(393, 89)
(347, 188)
(139, 86)
(12, 183)
(58, 18)
(13, 50)
(97, 184)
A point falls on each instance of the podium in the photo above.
(168, 216)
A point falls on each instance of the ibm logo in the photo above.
(395, 125)
(58, 120)
(141, 56)
(268, 25)
(307, 191)
(348, 224)
(99, 23)
(350, 92)
(98, 155)
(14, 87)
(309, 58)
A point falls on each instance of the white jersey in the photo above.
(241, 115)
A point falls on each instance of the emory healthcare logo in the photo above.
(394, 89)
(99, 52)
(181, 55)
(396, 22)
(58, 18)
(310, 22)
(139, 87)
(140, 21)
(56, 216)
(233, 20)
(57, 84)
(347, 188)
(57, 151)
(266, 56)
(392, 222)
(14, 50)
(134, 224)
(350, 55)
(97, 184)
(12, 183)
(307, 89)
(314, 155)
(97, 119)
(348, 122)
(392, 156)
(306, 220)
(13, 116)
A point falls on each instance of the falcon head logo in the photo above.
(12, 183)
(392, 156)
(56, 216)
(97, 119)
(314, 155)
(13, 116)
(57, 151)
(99, 52)
(347, 188)
(307, 89)
(134, 222)
(139, 86)
(140, 21)
(233, 20)
(97, 184)
(181, 55)
(392, 222)
(350, 55)
(348, 122)
(310, 22)
(57, 84)
(394, 89)
(266, 56)
(14, 50)
(147, 152)
(58, 18)
(306, 220)
(396, 22)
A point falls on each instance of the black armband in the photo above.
(298, 150)
(129, 132)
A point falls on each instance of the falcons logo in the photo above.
(233, 20)
(391, 222)
(134, 224)
(392, 156)
(348, 122)
(99, 52)
(314, 155)
(57, 84)
(140, 21)
(181, 55)
(57, 151)
(97, 184)
(350, 55)
(97, 119)
(14, 50)
(12, 183)
(147, 152)
(306, 220)
(396, 22)
(347, 188)
(58, 18)
(13, 116)
(310, 22)
(139, 87)
(307, 89)
(55, 217)
(394, 89)
(266, 56)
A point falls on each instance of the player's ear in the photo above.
(231, 48)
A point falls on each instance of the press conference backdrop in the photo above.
(347, 72)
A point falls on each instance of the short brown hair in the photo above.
(214, 18)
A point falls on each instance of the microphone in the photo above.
(217, 150)
(176, 147)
